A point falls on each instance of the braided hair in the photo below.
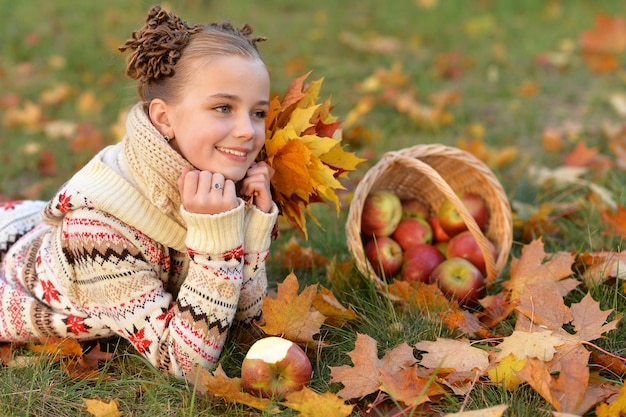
(162, 49)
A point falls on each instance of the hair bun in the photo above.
(157, 45)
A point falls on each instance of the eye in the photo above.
(260, 114)
(222, 109)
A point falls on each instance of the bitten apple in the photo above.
(385, 255)
(459, 279)
(452, 222)
(419, 262)
(274, 367)
(412, 231)
(382, 211)
(464, 245)
(414, 207)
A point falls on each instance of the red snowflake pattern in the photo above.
(9, 205)
(49, 292)
(139, 340)
(76, 325)
(64, 202)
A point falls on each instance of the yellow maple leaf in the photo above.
(496, 411)
(506, 371)
(616, 408)
(311, 404)
(290, 315)
(101, 408)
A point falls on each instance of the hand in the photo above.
(203, 192)
(256, 184)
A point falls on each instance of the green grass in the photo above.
(502, 41)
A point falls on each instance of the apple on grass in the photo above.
(464, 245)
(460, 280)
(412, 231)
(414, 207)
(385, 255)
(452, 222)
(382, 211)
(419, 262)
(274, 367)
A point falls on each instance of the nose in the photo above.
(244, 128)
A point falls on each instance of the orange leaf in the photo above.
(229, 389)
(580, 156)
(293, 256)
(615, 220)
(59, 347)
(363, 377)
(458, 355)
(608, 35)
(409, 388)
(327, 304)
(311, 404)
(535, 265)
(426, 297)
(290, 315)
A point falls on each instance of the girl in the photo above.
(155, 239)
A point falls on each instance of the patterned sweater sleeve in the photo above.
(258, 227)
(120, 286)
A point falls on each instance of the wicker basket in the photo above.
(434, 173)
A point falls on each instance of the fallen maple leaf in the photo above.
(495, 411)
(580, 156)
(229, 389)
(101, 408)
(363, 377)
(601, 45)
(293, 256)
(506, 371)
(458, 355)
(407, 387)
(59, 347)
(427, 298)
(601, 266)
(311, 404)
(290, 315)
(534, 265)
(614, 220)
(336, 314)
(616, 408)
(540, 344)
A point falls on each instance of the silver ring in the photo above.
(217, 186)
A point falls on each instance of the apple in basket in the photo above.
(464, 245)
(459, 279)
(382, 211)
(414, 207)
(274, 367)
(412, 231)
(385, 255)
(419, 262)
(452, 222)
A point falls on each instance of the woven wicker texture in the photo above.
(434, 173)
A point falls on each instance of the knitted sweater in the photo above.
(115, 253)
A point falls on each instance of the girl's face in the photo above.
(219, 125)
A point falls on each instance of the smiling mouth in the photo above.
(232, 152)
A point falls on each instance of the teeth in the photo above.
(232, 152)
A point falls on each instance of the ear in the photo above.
(159, 117)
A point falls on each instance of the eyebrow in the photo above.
(235, 98)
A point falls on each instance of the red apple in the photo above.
(412, 231)
(459, 279)
(274, 367)
(385, 255)
(414, 207)
(382, 211)
(439, 235)
(464, 245)
(419, 261)
(452, 222)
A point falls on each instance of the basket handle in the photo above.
(450, 194)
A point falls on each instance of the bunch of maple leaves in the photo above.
(304, 147)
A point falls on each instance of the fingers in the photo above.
(205, 192)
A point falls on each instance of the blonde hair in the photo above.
(165, 49)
